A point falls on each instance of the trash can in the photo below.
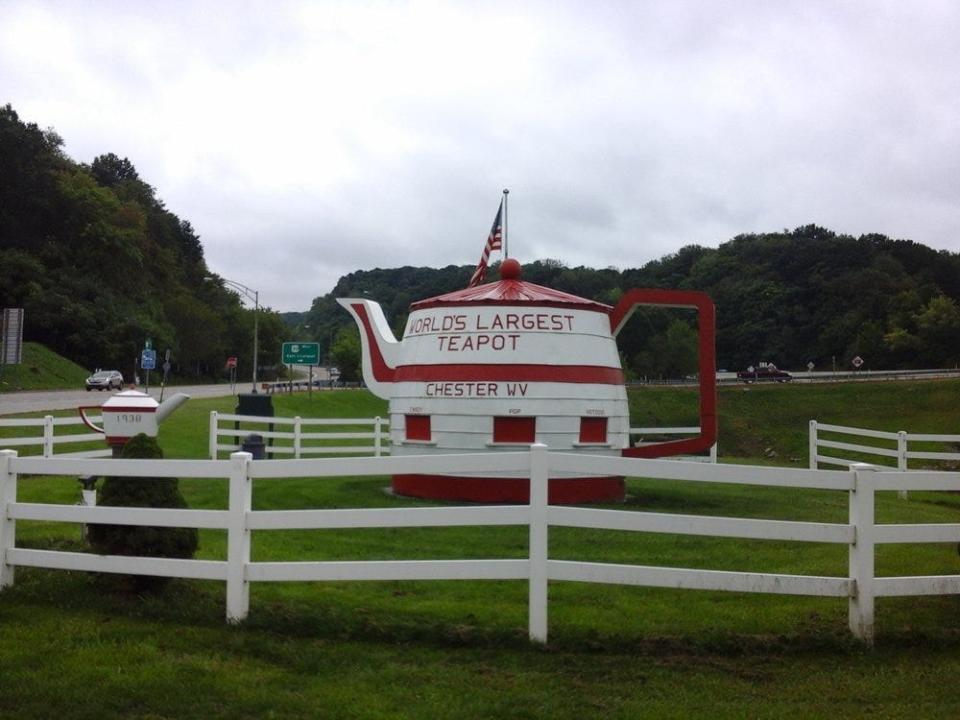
(254, 445)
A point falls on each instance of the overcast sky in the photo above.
(306, 140)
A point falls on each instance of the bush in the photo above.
(142, 492)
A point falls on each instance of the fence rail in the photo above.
(376, 442)
(48, 440)
(299, 442)
(900, 450)
(860, 533)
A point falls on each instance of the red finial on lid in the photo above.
(510, 269)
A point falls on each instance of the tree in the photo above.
(670, 354)
(200, 332)
(29, 161)
(869, 343)
(99, 264)
(902, 341)
(939, 330)
(346, 355)
(272, 332)
(110, 171)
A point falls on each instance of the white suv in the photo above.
(105, 380)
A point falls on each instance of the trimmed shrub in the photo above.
(142, 492)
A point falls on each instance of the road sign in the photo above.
(857, 362)
(231, 362)
(810, 365)
(301, 353)
(148, 360)
(12, 337)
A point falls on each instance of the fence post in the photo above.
(902, 459)
(539, 538)
(8, 527)
(213, 434)
(376, 436)
(238, 537)
(297, 430)
(48, 435)
(812, 444)
(862, 552)
(713, 453)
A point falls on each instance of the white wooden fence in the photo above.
(46, 438)
(860, 533)
(299, 441)
(376, 441)
(895, 455)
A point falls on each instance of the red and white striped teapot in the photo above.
(508, 363)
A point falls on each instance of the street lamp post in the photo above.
(254, 295)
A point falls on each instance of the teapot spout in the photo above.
(169, 405)
(380, 348)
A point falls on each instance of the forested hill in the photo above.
(809, 295)
(99, 264)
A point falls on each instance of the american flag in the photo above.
(494, 242)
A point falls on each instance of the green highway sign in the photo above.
(301, 353)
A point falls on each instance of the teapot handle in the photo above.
(87, 421)
(706, 312)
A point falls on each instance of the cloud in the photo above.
(306, 140)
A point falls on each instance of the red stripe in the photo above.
(584, 374)
(478, 274)
(689, 446)
(381, 371)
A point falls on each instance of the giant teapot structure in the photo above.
(500, 366)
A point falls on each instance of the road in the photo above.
(804, 376)
(33, 401)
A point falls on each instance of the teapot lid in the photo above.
(131, 400)
(511, 290)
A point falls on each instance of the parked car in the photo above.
(105, 380)
(766, 373)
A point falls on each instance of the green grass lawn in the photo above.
(77, 645)
(770, 423)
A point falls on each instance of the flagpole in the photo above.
(506, 192)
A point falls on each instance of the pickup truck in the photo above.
(769, 373)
